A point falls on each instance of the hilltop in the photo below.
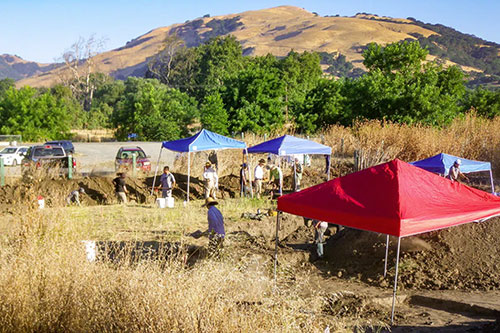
(281, 29)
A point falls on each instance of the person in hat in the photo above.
(244, 181)
(216, 232)
(258, 177)
(74, 196)
(121, 187)
(167, 183)
(454, 173)
(210, 180)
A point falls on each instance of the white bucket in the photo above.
(161, 203)
(90, 250)
(41, 203)
(170, 202)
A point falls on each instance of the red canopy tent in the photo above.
(393, 198)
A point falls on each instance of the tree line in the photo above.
(213, 85)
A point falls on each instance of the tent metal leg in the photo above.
(249, 173)
(156, 171)
(492, 184)
(386, 254)
(395, 282)
(329, 165)
(189, 175)
(276, 246)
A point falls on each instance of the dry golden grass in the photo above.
(46, 283)
(469, 137)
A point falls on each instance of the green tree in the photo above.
(255, 97)
(153, 111)
(35, 116)
(485, 102)
(6, 84)
(213, 115)
(300, 73)
(219, 61)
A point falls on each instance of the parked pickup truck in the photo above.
(49, 157)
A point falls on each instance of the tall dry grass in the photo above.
(470, 137)
(46, 284)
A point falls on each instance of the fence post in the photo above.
(134, 160)
(356, 157)
(70, 166)
(2, 172)
(242, 136)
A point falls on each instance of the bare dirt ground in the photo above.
(449, 280)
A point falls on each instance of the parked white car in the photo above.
(13, 155)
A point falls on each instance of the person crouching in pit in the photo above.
(216, 232)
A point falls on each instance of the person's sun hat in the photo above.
(209, 201)
(458, 161)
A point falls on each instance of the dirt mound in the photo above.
(463, 257)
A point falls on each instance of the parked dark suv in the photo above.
(66, 144)
(123, 159)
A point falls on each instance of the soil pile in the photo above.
(462, 257)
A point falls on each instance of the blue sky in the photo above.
(41, 30)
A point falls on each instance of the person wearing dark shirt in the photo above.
(121, 188)
(216, 232)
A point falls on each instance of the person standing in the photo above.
(74, 196)
(244, 181)
(216, 232)
(259, 176)
(297, 175)
(210, 179)
(121, 187)
(167, 183)
(276, 179)
(454, 173)
(319, 236)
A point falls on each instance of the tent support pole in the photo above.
(492, 184)
(249, 173)
(189, 174)
(156, 171)
(395, 282)
(276, 246)
(329, 165)
(294, 177)
(386, 254)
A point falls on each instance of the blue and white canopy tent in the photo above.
(441, 163)
(201, 141)
(287, 145)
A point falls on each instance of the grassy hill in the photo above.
(16, 68)
(281, 29)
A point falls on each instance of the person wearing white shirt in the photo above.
(259, 176)
(211, 181)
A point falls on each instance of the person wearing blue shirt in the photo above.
(216, 232)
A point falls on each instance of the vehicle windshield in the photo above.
(128, 154)
(8, 151)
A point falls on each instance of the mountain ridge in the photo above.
(276, 30)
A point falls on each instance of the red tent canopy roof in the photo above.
(393, 198)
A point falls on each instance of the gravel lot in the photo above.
(99, 157)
